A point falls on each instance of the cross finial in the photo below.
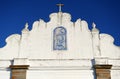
(26, 25)
(93, 25)
(60, 5)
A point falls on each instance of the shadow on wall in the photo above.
(93, 63)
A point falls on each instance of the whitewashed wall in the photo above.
(60, 74)
(4, 74)
(84, 48)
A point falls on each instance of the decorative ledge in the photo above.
(19, 66)
(102, 66)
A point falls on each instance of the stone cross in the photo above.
(60, 6)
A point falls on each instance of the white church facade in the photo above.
(60, 49)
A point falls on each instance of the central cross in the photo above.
(60, 5)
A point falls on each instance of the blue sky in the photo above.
(15, 13)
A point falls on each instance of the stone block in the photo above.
(18, 71)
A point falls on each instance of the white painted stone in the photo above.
(115, 74)
(4, 74)
(101, 60)
(108, 49)
(5, 63)
(20, 61)
(60, 74)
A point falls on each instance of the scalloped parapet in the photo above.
(38, 43)
(59, 48)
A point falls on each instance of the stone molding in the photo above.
(19, 66)
(102, 66)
